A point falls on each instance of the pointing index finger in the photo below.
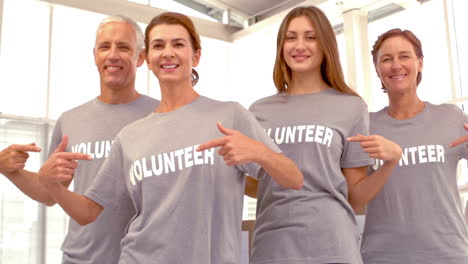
(74, 156)
(359, 138)
(212, 144)
(27, 148)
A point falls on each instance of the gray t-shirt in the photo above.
(188, 204)
(315, 224)
(91, 128)
(417, 217)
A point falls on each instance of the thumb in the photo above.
(225, 131)
(62, 147)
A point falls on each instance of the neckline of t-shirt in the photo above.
(98, 102)
(325, 91)
(180, 109)
(418, 116)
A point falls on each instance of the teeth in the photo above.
(398, 76)
(113, 67)
(169, 66)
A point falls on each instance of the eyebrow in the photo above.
(295, 32)
(400, 52)
(172, 40)
(108, 42)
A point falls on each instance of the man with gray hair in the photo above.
(82, 139)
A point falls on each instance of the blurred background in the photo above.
(47, 67)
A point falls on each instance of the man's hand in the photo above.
(13, 158)
(61, 165)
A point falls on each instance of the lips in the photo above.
(398, 77)
(113, 67)
(169, 66)
(300, 57)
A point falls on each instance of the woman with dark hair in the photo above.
(417, 217)
(188, 200)
(318, 121)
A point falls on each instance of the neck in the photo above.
(118, 95)
(174, 96)
(404, 105)
(306, 83)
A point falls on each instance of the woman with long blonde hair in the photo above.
(322, 125)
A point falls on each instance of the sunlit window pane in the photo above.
(435, 84)
(23, 58)
(18, 213)
(74, 77)
(461, 35)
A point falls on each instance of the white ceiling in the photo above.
(246, 16)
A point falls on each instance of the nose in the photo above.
(114, 53)
(300, 45)
(396, 65)
(168, 52)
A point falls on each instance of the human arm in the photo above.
(237, 149)
(58, 168)
(12, 162)
(82, 209)
(460, 140)
(14, 157)
(363, 188)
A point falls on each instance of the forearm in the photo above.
(82, 209)
(366, 189)
(282, 169)
(28, 183)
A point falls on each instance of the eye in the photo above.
(310, 37)
(179, 44)
(103, 47)
(157, 46)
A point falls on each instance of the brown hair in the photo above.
(396, 32)
(330, 68)
(172, 18)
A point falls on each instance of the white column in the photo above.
(357, 52)
(1, 23)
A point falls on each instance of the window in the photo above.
(435, 84)
(24, 58)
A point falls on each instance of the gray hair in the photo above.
(123, 19)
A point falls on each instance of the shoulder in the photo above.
(209, 104)
(269, 99)
(349, 99)
(79, 110)
(379, 113)
(147, 100)
(443, 108)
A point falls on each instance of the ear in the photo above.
(420, 63)
(196, 57)
(94, 55)
(141, 58)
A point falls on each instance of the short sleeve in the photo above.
(353, 155)
(108, 188)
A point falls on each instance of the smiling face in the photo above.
(171, 55)
(116, 55)
(397, 65)
(301, 49)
